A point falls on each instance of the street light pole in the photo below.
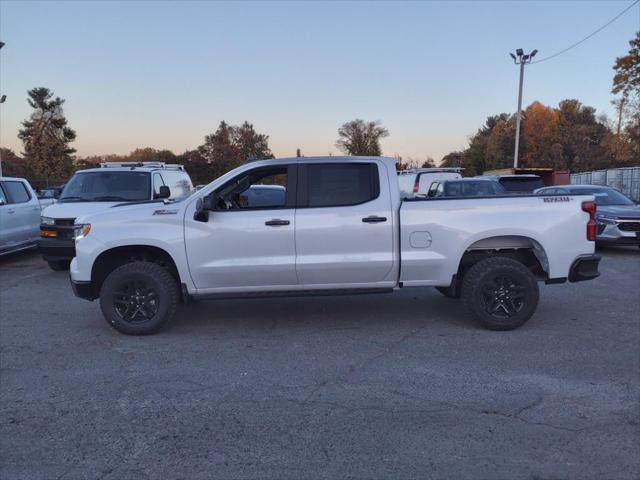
(521, 60)
(2, 99)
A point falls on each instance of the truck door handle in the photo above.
(374, 219)
(11, 211)
(276, 223)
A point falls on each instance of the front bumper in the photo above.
(619, 232)
(84, 290)
(53, 249)
(584, 268)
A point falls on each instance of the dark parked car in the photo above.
(465, 187)
(518, 184)
(618, 216)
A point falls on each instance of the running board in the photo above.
(290, 293)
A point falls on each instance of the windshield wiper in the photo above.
(73, 198)
(112, 198)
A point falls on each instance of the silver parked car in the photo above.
(19, 215)
(617, 216)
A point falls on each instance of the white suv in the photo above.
(96, 189)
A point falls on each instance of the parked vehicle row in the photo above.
(49, 196)
(448, 182)
(329, 225)
(417, 181)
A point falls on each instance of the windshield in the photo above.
(107, 187)
(523, 184)
(604, 196)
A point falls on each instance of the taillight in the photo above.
(416, 184)
(590, 208)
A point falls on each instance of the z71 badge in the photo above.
(165, 212)
(556, 199)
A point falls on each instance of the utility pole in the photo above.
(521, 60)
(2, 99)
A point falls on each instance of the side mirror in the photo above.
(56, 193)
(203, 206)
(165, 192)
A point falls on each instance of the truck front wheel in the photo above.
(500, 293)
(139, 298)
(59, 265)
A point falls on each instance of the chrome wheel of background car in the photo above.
(503, 296)
(135, 301)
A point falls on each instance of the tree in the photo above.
(626, 80)
(626, 83)
(569, 136)
(228, 147)
(46, 136)
(453, 159)
(251, 144)
(429, 163)
(149, 154)
(13, 165)
(539, 134)
(358, 137)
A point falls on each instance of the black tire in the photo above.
(450, 292)
(59, 265)
(500, 293)
(139, 298)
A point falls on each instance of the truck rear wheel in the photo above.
(500, 293)
(139, 298)
(450, 291)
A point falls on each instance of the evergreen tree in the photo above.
(46, 137)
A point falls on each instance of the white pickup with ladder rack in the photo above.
(141, 164)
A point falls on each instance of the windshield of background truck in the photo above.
(522, 184)
(106, 186)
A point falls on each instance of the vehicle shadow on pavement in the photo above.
(617, 250)
(20, 258)
(414, 309)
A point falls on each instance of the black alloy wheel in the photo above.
(139, 298)
(503, 296)
(135, 301)
(501, 293)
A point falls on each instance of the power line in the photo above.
(591, 34)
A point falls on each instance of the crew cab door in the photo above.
(248, 241)
(344, 225)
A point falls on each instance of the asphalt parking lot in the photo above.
(391, 386)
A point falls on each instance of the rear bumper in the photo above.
(84, 290)
(53, 249)
(584, 268)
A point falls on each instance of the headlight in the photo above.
(81, 231)
(47, 221)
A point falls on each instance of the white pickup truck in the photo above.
(340, 227)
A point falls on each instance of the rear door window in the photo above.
(341, 185)
(17, 192)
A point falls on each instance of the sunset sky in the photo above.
(164, 74)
